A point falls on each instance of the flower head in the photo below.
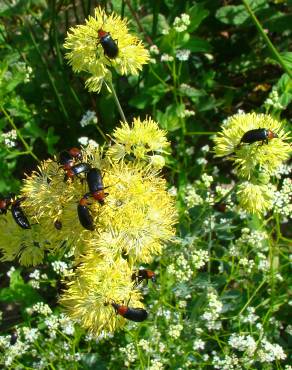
(27, 245)
(265, 155)
(88, 54)
(143, 140)
(96, 284)
(255, 198)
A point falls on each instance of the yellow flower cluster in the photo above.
(257, 145)
(135, 221)
(144, 141)
(88, 54)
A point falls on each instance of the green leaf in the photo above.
(197, 14)
(237, 14)
(169, 120)
(232, 14)
(287, 58)
(19, 291)
(196, 45)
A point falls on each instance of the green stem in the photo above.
(270, 45)
(117, 101)
(252, 297)
(27, 147)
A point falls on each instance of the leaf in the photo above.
(237, 14)
(196, 44)
(287, 58)
(169, 120)
(232, 14)
(197, 14)
(150, 96)
(19, 291)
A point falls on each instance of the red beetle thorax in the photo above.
(75, 152)
(271, 134)
(101, 33)
(150, 274)
(68, 165)
(3, 204)
(98, 195)
(122, 310)
(83, 202)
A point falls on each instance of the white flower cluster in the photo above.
(243, 343)
(181, 23)
(11, 352)
(57, 323)
(199, 258)
(85, 141)
(213, 311)
(22, 68)
(183, 54)
(192, 198)
(270, 352)
(228, 362)
(251, 317)
(130, 354)
(273, 101)
(199, 344)
(9, 138)
(36, 277)
(174, 331)
(40, 308)
(89, 118)
(166, 58)
(258, 240)
(187, 113)
(156, 365)
(30, 334)
(282, 199)
(201, 161)
(61, 268)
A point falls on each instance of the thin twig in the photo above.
(141, 28)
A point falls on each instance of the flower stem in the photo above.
(25, 144)
(270, 45)
(117, 101)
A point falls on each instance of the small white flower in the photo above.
(190, 150)
(181, 23)
(60, 267)
(166, 58)
(201, 161)
(89, 118)
(154, 50)
(83, 140)
(10, 271)
(10, 138)
(183, 54)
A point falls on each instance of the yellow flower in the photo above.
(138, 216)
(136, 219)
(254, 198)
(87, 53)
(250, 158)
(27, 245)
(97, 283)
(144, 140)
